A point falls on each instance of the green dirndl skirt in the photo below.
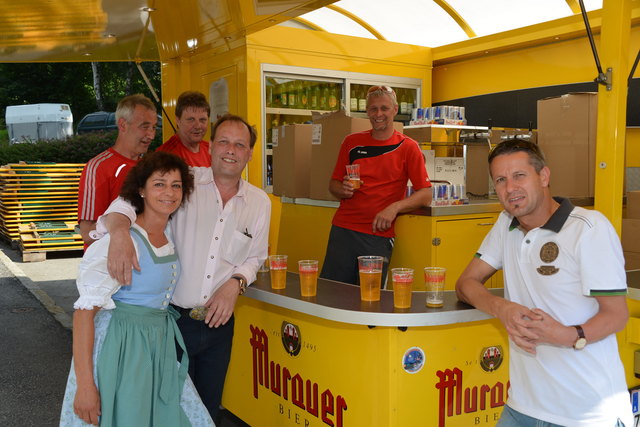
(140, 382)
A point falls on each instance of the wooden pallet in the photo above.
(39, 204)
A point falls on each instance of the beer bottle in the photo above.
(315, 96)
(324, 97)
(284, 96)
(292, 94)
(353, 99)
(333, 99)
(269, 94)
(362, 99)
(303, 95)
(403, 100)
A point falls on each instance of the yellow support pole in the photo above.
(612, 110)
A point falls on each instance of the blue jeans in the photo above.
(209, 351)
(513, 418)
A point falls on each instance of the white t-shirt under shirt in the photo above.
(559, 268)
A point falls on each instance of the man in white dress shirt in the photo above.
(221, 235)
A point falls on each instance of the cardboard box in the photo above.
(630, 235)
(329, 130)
(567, 136)
(631, 261)
(477, 173)
(291, 160)
(633, 204)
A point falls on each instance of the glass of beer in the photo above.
(308, 269)
(353, 172)
(370, 269)
(278, 270)
(434, 283)
(402, 279)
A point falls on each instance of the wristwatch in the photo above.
(243, 284)
(581, 342)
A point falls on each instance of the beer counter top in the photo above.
(478, 206)
(341, 302)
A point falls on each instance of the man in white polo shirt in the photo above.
(564, 298)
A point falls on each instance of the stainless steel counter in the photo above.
(340, 302)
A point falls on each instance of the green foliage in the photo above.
(77, 149)
(72, 83)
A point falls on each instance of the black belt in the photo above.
(182, 311)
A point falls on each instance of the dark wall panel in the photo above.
(515, 109)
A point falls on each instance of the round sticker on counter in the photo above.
(413, 360)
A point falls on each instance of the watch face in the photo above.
(580, 344)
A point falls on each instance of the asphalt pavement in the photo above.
(36, 354)
(36, 311)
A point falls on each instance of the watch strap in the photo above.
(581, 341)
(243, 284)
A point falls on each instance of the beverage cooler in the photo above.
(292, 94)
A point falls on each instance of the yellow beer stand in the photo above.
(334, 360)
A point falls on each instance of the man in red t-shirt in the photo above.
(363, 224)
(103, 175)
(192, 118)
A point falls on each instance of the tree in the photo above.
(73, 83)
(97, 85)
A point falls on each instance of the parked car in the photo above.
(104, 121)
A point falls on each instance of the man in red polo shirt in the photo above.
(363, 224)
(103, 175)
(192, 118)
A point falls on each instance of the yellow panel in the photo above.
(565, 60)
(612, 111)
(304, 232)
(362, 373)
(628, 342)
(415, 249)
(459, 241)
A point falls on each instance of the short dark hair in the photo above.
(253, 136)
(193, 99)
(159, 161)
(516, 145)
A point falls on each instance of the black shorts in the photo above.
(343, 250)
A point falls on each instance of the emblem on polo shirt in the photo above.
(548, 253)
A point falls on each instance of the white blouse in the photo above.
(95, 285)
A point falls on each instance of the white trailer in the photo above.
(38, 121)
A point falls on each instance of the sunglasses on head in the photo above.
(382, 88)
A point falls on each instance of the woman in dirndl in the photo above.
(125, 370)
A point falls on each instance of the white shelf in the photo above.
(462, 127)
(294, 111)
